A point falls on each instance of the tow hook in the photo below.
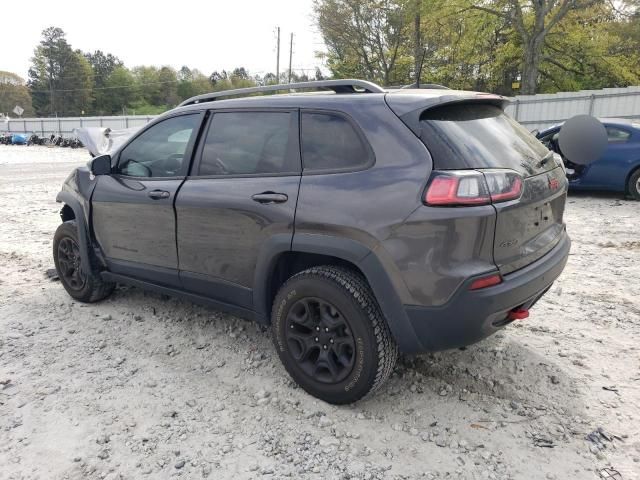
(518, 314)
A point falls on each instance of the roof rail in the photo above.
(435, 86)
(338, 86)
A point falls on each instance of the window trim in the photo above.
(371, 160)
(294, 150)
(189, 151)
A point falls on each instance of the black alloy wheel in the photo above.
(320, 340)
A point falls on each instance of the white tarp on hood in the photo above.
(101, 141)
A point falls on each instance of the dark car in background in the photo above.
(355, 222)
(617, 170)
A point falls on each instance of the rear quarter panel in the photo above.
(368, 205)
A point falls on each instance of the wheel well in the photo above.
(290, 263)
(66, 213)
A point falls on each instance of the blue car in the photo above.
(619, 167)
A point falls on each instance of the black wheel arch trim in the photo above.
(81, 223)
(345, 249)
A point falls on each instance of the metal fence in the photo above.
(65, 125)
(544, 110)
(533, 111)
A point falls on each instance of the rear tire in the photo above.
(79, 280)
(330, 334)
(633, 187)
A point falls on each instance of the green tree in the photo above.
(13, 91)
(60, 79)
(119, 91)
(103, 66)
(366, 38)
(533, 21)
(192, 83)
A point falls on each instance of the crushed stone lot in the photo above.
(146, 386)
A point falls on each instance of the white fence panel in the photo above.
(533, 111)
(544, 110)
(65, 125)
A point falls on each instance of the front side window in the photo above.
(160, 150)
(617, 135)
(330, 142)
(246, 143)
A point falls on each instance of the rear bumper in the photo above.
(470, 316)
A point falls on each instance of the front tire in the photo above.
(79, 280)
(633, 187)
(330, 334)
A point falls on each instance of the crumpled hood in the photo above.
(101, 141)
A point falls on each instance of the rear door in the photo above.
(612, 169)
(132, 209)
(241, 192)
(482, 137)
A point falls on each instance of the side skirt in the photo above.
(225, 307)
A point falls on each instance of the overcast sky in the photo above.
(208, 35)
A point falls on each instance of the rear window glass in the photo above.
(617, 135)
(463, 136)
(329, 142)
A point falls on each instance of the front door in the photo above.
(133, 208)
(242, 192)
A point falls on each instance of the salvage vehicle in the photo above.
(617, 170)
(352, 220)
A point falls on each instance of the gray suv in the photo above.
(355, 221)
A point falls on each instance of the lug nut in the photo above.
(331, 340)
(324, 346)
(326, 329)
(317, 329)
(317, 339)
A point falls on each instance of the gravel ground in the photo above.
(146, 386)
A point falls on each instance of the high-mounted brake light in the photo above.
(472, 187)
(484, 282)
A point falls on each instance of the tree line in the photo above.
(502, 46)
(64, 81)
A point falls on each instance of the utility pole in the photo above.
(278, 59)
(418, 54)
(290, 56)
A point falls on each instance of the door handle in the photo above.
(159, 194)
(269, 197)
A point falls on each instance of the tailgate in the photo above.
(468, 135)
(528, 228)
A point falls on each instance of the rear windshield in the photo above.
(462, 136)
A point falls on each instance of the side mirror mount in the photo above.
(101, 165)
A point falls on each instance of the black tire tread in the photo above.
(97, 289)
(631, 186)
(356, 286)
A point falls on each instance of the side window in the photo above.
(244, 143)
(329, 142)
(617, 135)
(160, 150)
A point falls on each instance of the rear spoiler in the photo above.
(409, 107)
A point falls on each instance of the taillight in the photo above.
(472, 187)
(503, 185)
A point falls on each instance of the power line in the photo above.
(110, 88)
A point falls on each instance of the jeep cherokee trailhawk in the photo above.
(354, 220)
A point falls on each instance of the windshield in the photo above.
(468, 135)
